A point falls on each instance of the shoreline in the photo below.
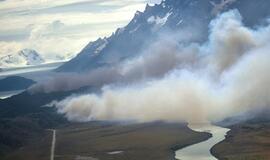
(218, 134)
(246, 140)
(181, 146)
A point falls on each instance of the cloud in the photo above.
(225, 76)
(46, 40)
(9, 47)
(21, 20)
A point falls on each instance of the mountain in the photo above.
(24, 57)
(15, 83)
(170, 16)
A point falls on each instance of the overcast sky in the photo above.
(61, 27)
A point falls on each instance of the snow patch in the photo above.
(158, 21)
(163, 5)
(180, 22)
(25, 57)
(115, 152)
(101, 47)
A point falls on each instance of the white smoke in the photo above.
(227, 75)
(153, 63)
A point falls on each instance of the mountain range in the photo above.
(25, 115)
(25, 57)
(170, 16)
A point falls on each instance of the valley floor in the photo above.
(151, 141)
(96, 140)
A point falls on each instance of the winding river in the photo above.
(201, 151)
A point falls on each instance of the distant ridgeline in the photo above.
(25, 57)
(13, 83)
(171, 16)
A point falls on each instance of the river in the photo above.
(201, 151)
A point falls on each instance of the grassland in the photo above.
(245, 142)
(95, 140)
(38, 148)
(153, 141)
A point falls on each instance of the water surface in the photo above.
(201, 151)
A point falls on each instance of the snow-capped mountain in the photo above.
(170, 16)
(24, 57)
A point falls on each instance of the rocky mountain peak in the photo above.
(169, 16)
(22, 58)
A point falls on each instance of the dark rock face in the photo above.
(171, 16)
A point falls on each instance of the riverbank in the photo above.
(249, 141)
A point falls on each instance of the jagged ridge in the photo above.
(168, 16)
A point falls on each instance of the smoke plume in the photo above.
(153, 63)
(227, 75)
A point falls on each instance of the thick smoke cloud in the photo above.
(226, 76)
(228, 41)
(153, 63)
